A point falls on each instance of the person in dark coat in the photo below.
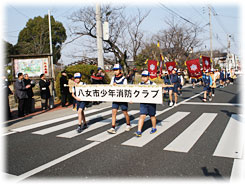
(7, 91)
(44, 91)
(21, 93)
(64, 88)
(30, 93)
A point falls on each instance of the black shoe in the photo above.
(79, 129)
(84, 126)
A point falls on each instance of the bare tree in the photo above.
(125, 34)
(178, 40)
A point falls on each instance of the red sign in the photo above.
(152, 68)
(170, 66)
(194, 68)
(206, 63)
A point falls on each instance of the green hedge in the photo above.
(81, 68)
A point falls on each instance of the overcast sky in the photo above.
(226, 21)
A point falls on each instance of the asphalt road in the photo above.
(184, 149)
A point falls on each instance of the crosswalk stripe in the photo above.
(94, 126)
(48, 122)
(104, 136)
(69, 124)
(231, 142)
(161, 127)
(185, 141)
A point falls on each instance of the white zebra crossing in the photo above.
(161, 127)
(69, 124)
(231, 142)
(52, 121)
(94, 126)
(185, 141)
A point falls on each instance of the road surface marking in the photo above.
(94, 126)
(69, 124)
(56, 161)
(185, 141)
(207, 103)
(231, 142)
(161, 127)
(48, 122)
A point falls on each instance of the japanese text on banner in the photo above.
(125, 93)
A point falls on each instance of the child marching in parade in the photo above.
(145, 108)
(119, 79)
(207, 82)
(175, 81)
(80, 104)
(181, 82)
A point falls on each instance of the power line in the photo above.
(19, 12)
(177, 14)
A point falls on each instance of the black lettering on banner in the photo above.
(156, 91)
(96, 93)
(80, 92)
(119, 92)
(88, 93)
(112, 92)
(128, 93)
(145, 92)
(136, 93)
(103, 93)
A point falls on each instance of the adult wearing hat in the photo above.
(64, 88)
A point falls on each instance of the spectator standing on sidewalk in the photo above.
(30, 94)
(21, 94)
(44, 91)
(64, 88)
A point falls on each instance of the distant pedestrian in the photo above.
(181, 82)
(21, 93)
(175, 81)
(44, 91)
(213, 86)
(7, 91)
(130, 77)
(64, 88)
(30, 94)
(207, 82)
(80, 104)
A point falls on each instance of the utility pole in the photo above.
(52, 63)
(99, 37)
(228, 51)
(210, 33)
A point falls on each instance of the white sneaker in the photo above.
(128, 128)
(210, 99)
(212, 94)
(111, 131)
(175, 104)
(171, 104)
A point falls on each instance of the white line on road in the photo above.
(94, 126)
(69, 124)
(231, 142)
(161, 127)
(185, 141)
(56, 161)
(206, 103)
(48, 122)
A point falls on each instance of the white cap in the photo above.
(117, 67)
(145, 73)
(175, 69)
(206, 71)
(178, 71)
(77, 75)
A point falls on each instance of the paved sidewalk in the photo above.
(43, 115)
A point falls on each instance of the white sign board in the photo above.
(121, 93)
(33, 67)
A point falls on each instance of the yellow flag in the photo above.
(200, 56)
(146, 61)
(158, 44)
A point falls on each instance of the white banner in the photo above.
(121, 93)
